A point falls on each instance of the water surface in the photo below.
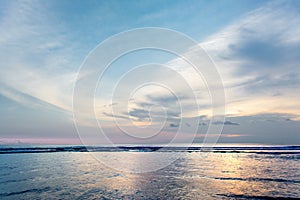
(218, 174)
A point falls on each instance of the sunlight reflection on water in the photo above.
(194, 175)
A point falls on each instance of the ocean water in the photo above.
(221, 173)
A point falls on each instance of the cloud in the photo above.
(174, 125)
(165, 98)
(227, 123)
(202, 124)
(264, 128)
(258, 57)
(35, 57)
(139, 114)
(114, 116)
(232, 135)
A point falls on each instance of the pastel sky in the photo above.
(254, 44)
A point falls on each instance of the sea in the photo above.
(226, 171)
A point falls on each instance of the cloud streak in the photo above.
(34, 56)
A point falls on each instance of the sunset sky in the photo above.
(255, 46)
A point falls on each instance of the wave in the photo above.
(25, 191)
(238, 149)
(257, 179)
(241, 196)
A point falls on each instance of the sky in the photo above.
(254, 45)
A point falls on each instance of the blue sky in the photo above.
(255, 46)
